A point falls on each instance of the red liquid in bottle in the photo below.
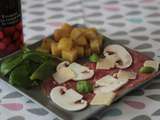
(11, 29)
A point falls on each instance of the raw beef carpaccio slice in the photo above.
(138, 61)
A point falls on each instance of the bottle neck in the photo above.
(10, 12)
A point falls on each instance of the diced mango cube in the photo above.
(100, 39)
(46, 44)
(81, 41)
(67, 28)
(80, 51)
(76, 33)
(95, 46)
(70, 55)
(65, 44)
(60, 33)
(57, 34)
(54, 49)
(90, 34)
(88, 51)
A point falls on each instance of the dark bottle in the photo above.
(11, 30)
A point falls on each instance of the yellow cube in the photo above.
(46, 44)
(60, 33)
(70, 55)
(54, 49)
(95, 46)
(93, 29)
(76, 33)
(88, 51)
(82, 29)
(57, 35)
(100, 39)
(80, 51)
(81, 41)
(67, 28)
(65, 44)
(90, 34)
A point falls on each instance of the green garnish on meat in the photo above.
(94, 58)
(146, 69)
(84, 86)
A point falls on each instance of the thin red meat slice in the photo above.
(138, 60)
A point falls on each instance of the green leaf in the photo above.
(8, 64)
(84, 86)
(146, 69)
(35, 56)
(20, 76)
(94, 58)
(44, 71)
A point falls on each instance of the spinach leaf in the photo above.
(44, 70)
(35, 56)
(20, 76)
(10, 63)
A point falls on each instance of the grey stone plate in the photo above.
(91, 111)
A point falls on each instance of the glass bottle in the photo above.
(11, 29)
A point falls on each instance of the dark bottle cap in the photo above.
(10, 12)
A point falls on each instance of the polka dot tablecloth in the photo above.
(134, 23)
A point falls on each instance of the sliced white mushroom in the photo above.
(62, 65)
(108, 62)
(109, 84)
(105, 64)
(81, 72)
(64, 74)
(103, 98)
(67, 99)
(126, 75)
(152, 63)
(125, 57)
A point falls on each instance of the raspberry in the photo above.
(20, 41)
(11, 48)
(6, 41)
(19, 26)
(1, 35)
(16, 36)
(2, 46)
(9, 30)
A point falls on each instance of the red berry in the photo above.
(16, 35)
(6, 41)
(11, 48)
(2, 46)
(21, 40)
(9, 30)
(19, 26)
(1, 35)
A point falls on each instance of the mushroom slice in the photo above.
(103, 98)
(64, 74)
(152, 63)
(81, 72)
(109, 84)
(62, 65)
(108, 62)
(126, 75)
(69, 100)
(125, 57)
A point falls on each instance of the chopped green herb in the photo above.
(146, 69)
(94, 58)
(84, 86)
